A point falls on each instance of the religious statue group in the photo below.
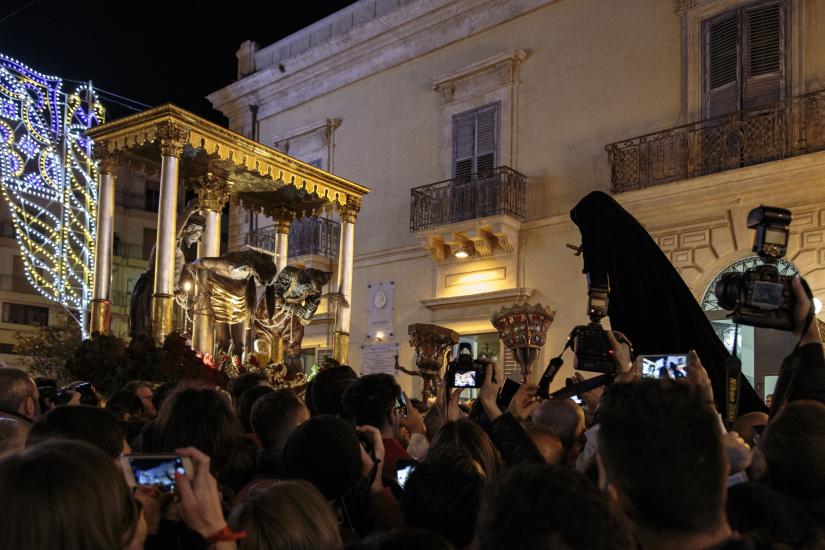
(254, 306)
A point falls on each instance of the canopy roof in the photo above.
(259, 177)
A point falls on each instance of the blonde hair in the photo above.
(290, 515)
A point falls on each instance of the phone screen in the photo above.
(466, 379)
(158, 471)
(664, 366)
(402, 473)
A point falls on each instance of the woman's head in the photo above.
(202, 418)
(289, 515)
(465, 438)
(66, 494)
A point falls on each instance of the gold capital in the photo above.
(213, 191)
(107, 160)
(283, 218)
(172, 138)
(349, 212)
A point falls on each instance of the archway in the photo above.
(760, 350)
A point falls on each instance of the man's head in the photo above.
(145, 391)
(661, 455)
(371, 400)
(18, 393)
(246, 382)
(247, 401)
(536, 506)
(328, 387)
(794, 445)
(444, 497)
(275, 416)
(563, 416)
(548, 444)
(13, 434)
(84, 423)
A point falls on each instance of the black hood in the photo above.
(649, 301)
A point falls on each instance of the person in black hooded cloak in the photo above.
(649, 301)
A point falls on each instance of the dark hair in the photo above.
(244, 383)
(662, 449)
(92, 425)
(326, 452)
(273, 417)
(466, 438)
(328, 387)
(370, 400)
(162, 392)
(135, 385)
(247, 401)
(286, 515)
(124, 402)
(535, 506)
(65, 494)
(202, 418)
(794, 446)
(444, 497)
(15, 387)
(408, 539)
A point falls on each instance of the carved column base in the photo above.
(340, 346)
(101, 316)
(162, 316)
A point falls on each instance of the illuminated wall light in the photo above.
(817, 305)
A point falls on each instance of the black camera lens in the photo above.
(729, 290)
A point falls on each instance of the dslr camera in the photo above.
(464, 371)
(761, 297)
(590, 344)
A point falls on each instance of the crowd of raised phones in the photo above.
(645, 463)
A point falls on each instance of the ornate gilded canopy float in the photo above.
(220, 166)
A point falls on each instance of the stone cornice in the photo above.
(416, 29)
(506, 64)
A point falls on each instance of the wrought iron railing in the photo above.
(501, 191)
(787, 128)
(318, 236)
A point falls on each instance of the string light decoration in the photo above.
(48, 178)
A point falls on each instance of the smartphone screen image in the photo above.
(403, 471)
(664, 366)
(155, 470)
(465, 379)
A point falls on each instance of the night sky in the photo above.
(152, 52)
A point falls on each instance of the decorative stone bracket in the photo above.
(482, 239)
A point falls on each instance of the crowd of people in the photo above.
(353, 463)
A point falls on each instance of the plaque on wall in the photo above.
(379, 358)
(380, 311)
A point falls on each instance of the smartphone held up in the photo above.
(156, 470)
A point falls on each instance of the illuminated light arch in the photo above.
(48, 178)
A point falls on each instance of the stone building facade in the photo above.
(448, 110)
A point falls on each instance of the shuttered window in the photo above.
(744, 58)
(475, 142)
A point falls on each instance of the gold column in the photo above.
(171, 137)
(283, 220)
(346, 256)
(213, 192)
(100, 317)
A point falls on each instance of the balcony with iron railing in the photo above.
(307, 236)
(502, 191)
(785, 129)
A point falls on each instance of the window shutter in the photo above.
(486, 140)
(721, 65)
(763, 60)
(463, 144)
